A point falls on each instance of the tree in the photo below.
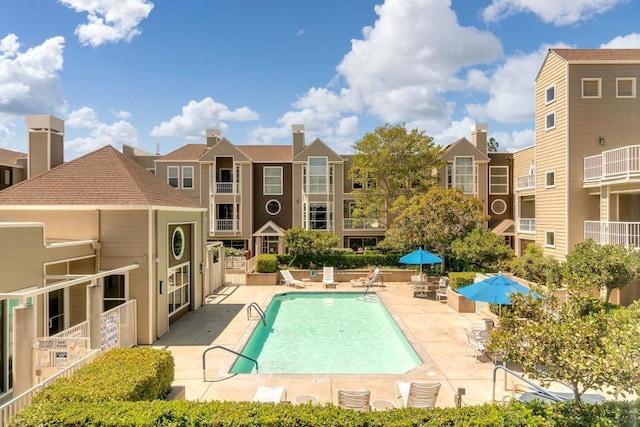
(390, 162)
(433, 220)
(535, 267)
(300, 241)
(492, 144)
(581, 342)
(482, 248)
(607, 267)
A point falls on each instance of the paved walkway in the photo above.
(435, 330)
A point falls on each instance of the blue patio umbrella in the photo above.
(494, 290)
(419, 257)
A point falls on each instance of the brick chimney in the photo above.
(213, 137)
(45, 143)
(479, 136)
(298, 139)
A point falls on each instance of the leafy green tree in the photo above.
(607, 267)
(581, 342)
(482, 248)
(300, 241)
(433, 220)
(537, 268)
(391, 162)
(492, 144)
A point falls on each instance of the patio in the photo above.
(436, 331)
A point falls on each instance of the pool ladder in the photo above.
(255, 306)
(204, 362)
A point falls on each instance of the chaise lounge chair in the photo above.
(327, 277)
(356, 400)
(290, 281)
(270, 394)
(417, 395)
(370, 282)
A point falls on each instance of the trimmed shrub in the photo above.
(266, 263)
(343, 260)
(122, 374)
(458, 280)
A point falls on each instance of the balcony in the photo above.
(227, 225)
(527, 225)
(224, 188)
(361, 224)
(613, 233)
(525, 182)
(620, 164)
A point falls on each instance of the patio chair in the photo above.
(477, 341)
(270, 394)
(327, 277)
(443, 289)
(356, 400)
(368, 282)
(290, 281)
(416, 394)
(421, 286)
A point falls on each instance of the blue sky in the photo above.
(145, 72)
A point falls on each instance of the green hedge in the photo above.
(343, 261)
(230, 414)
(123, 374)
(458, 280)
(266, 263)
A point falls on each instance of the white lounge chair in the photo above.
(356, 400)
(443, 289)
(417, 395)
(270, 394)
(290, 281)
(370, 282)
(327, 277)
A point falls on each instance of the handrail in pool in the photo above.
(263, 316)
(204, 363)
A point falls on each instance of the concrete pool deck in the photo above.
(435, 330)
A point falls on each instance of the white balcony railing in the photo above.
(525, 182)
(224, 187)
(614, 233)
(227, 225)
(527, 225)
(361, 224)
(620, 163)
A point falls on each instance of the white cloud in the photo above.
(457, 129)
(29, 80)
(114, 134)
(197, 116)
(558, 12)
(347, 126)
(516, 140)
(6, 136)
(630, 41)
(84, 117)
(300, 32)
(109, 21)
(120, 114)
(512, 89)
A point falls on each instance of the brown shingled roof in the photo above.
(598, 54)
(103, 177)
(8, 157)
(187, 152)
(267, 153)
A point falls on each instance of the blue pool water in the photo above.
(327, 333)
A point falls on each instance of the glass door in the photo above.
(56, 311)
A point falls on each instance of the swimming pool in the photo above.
(327, 333)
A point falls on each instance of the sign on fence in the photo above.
(60, 352)
(109, 331)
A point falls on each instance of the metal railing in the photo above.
(261, 312)
(204, 362)
(361, 224)
(613, 232)
(125, 316)
(619, 163)
(224, 187)
(525, 182)
(18, 403)
(227, 224)
(527, 225)
(79, 330)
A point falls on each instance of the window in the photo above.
(173, 176)
(550, 94)
(550, 121)
(317, 216)
(115, 291)
(591, 88)
(272, 180)
(318, 172)
(498, 179)
(498, 206)
(550, 239)
(464, 178)
(187, 177)
(550, 179)
(178, 281)
(449, 175)
(273, 207)
(626, 87)
(177, 243)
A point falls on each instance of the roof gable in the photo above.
(223, 148)
(102, 177)
(318, 148)
(188, 152)
(463, 147)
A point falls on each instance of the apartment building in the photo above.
(12, 167)
(582, 178)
